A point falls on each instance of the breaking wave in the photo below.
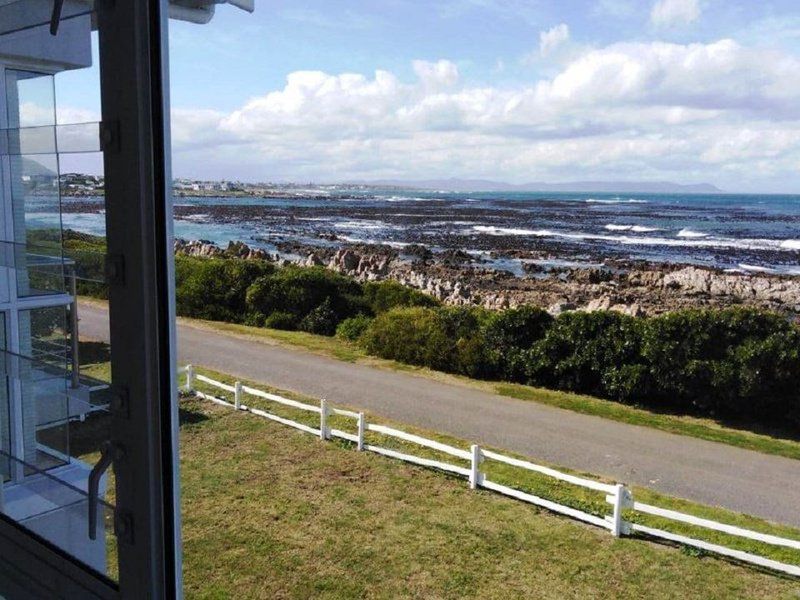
(615, 201)
(634, 228)
(685, 241)
(691, 233)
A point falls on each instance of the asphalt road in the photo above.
(716, 474)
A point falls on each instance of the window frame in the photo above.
(144, 422)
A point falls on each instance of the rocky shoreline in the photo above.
(457, 278)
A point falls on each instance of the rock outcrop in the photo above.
(638, 290)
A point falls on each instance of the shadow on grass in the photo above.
(87, 437)
(188, 416)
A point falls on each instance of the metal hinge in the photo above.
(120, 402)
(123, 526)
(115, 269)
(109, 136)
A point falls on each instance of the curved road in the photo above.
(757, 484)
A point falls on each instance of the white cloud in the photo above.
(667, 13)
(553, 38)
(442, 73)
(636, 110)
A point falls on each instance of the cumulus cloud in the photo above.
(667, 13)
(634, 110)
(442, 73)
(553, 38)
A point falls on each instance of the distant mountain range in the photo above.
(483, 185)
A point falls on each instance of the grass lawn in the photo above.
(270, 512)
(706, 429)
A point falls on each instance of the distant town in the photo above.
(79, 184)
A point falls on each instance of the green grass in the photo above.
(546, 487)
(270, 512)
(705, 429)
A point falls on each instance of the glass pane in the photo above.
(55, 504)
(53, 417)
(35, 195)
(45, 405)
(35, 103)
(51, 139)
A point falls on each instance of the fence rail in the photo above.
(618, 495)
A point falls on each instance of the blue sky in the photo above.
(516, 90)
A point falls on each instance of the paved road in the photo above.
(716, 474)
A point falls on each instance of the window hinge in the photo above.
(120, 402)
(123, 526)
(115, 269)
(109, 136)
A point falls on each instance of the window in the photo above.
(94, 514)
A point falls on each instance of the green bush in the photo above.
(768, 373)
(321, 320)
(508, 334)
(216, 289)
(411, 335)
(353, 328)
(386, 295)
(281, 319)
(691, 355)
(464, 326)
(300, 290)
(581, 350)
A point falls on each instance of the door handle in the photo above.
(108, 453)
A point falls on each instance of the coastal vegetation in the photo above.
(735, 364)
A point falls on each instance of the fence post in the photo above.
(189, 378)
(237, 395)
(475, 476)
(323, 420)
(620, 497)
(362, 426)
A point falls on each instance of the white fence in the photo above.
(618, 495)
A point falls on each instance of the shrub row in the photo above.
(732, 364)
(312, 299)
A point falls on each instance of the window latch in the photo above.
(108, 454)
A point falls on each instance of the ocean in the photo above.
(755, 233)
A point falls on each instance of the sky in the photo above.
(520, 91)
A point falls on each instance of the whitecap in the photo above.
(690, 233)
(360, 225)
(196, 217)
(697, 241)
(403, 199)
(790, 244)
(634, 228)
(491, 230)
(615, 201)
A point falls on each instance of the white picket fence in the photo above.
(619, 496)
